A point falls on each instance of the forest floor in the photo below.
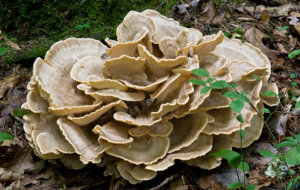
(271, 25)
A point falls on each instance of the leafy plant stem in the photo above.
(242, 156)
(217, 11)
(237, 175)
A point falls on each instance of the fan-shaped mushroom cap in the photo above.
(88, 118)
(209, 45)
(72, 161)
(36, 104)
(123, 168)
(199, 147)
(83, 140)
(184, 136)
(114, 132)
(215, 101)
(165, 27)
(194, 36)
(253, 131)
(46, 136)
(193, 63)
(160, 67)
(110, 42)
(140, 173)
(210, 162)
(142, 150)
(156, 130)
(269, 100)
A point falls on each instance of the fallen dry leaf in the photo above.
(255, 37)
(11, 44)
(278, 124)
(208, 13)
(297, 26)
(210, 182)
(258, 178)
(280, 11)
(23, 162)
(265, 17)
(228, 175)
(7, 83)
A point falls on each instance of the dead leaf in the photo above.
(258, 178)
(8, 176)
(7, 83)
(208, 13)
(293, 20)
(278, 124)
(210, 182)
(297, 26)
(11, 44)
(179, 184)
(23, 162)
(255, 37)
(228, 175)
(281, 11)
(265, 17)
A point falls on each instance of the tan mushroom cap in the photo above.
(182, 136)
(209, 45)
(169, 47)
(36, 104)
(83, 140)
(132, 24)
(215, 101)
(209, 162)
(235, 50)
(140, 173)
(199, 147)
(47, 138)
(143, 150)
(214, 64)
(253, 131)
(110, 42)
(72, 161)
(193, 63)
(194, 36)
(123, 168)
(161, 67)
(165, 27)
(225, 118)
(129, 47)
(88, 118)
(114, 132)
(156, 130)
(99, 83)
(269, 100)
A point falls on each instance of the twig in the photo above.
(186, 10)
(160, 5)
(167, 180)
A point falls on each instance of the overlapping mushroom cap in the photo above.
(131, 108)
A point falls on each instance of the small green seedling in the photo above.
(85, 26)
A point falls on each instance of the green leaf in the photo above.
(5, 136)
(294, 54)
(231, 94)
(284, 28)
(205, 89)
(291, 151)
(293, 75)
(291, 139)
(235, 185)
(240, 118)
(3, 50)
(201, 72)
(244, 94)
(256, 77)
(270, 93)
(19, 112)
(294, 98)
(198, 82)
(297, 104)
(292, 182)
(292, 161)
(242, 132)
(237, 106)
(242, 99)
(209, 79)
(294, 84)
(225, 34)
(296, 156)
(266, 153)
(235, 161)
(232, 85)
(226, 154)
(293, 92)
(219, 84)
(87, 25)
(238, 29)
(265, 110)
(79, 27)
(286, 143)
(250, 187)
(245, 167)
(297, 137)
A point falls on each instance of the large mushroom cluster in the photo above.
(130, 108)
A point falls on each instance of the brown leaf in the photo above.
(11, 44)
(255, 37)
(7, 83)
(210, 182)
(259, 179)
(23, 161)
(281, 11)
(208, 13)
(265, 17)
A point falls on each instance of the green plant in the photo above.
(284, 28)
(3, 50)
(85, 26)
(5, 136)
(235, 160)
(294, 54)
